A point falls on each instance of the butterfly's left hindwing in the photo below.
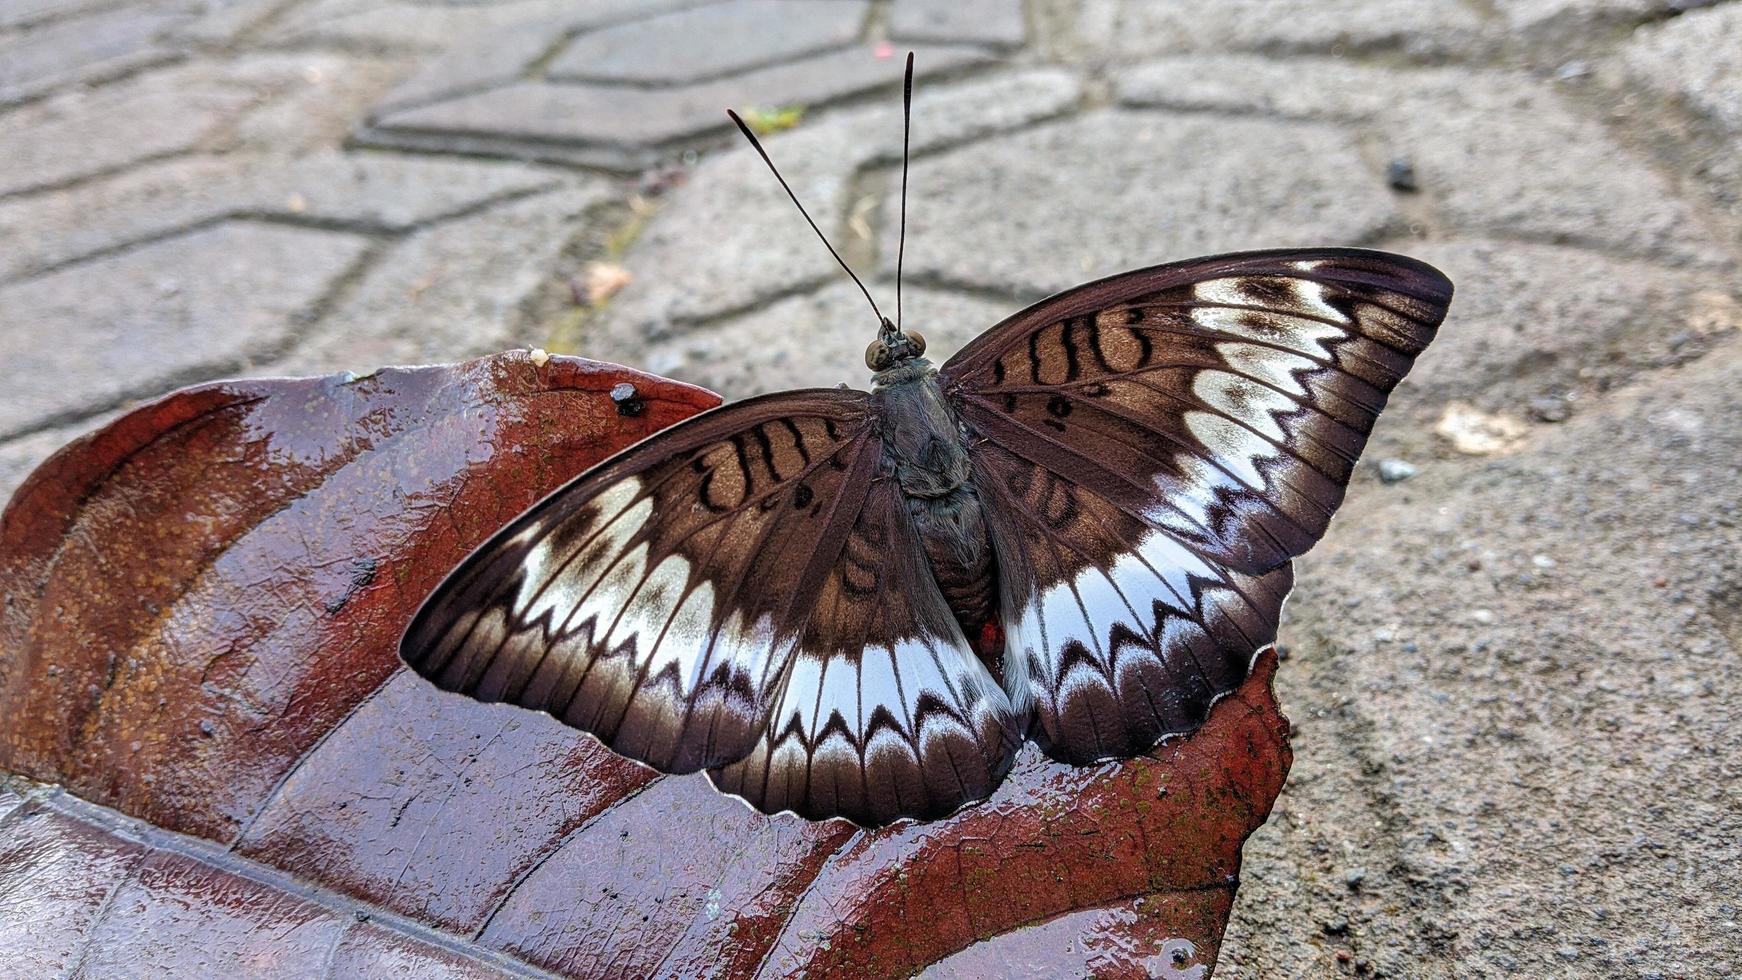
(1152, 450)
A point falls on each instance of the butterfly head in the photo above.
(893, 347)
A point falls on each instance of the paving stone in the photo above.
(84, 49)
(1696, 59)
(370, 191)
(712, 41)
(1529, 320)
(817, 339)
(167, 313)
(226, 23)
(943, 116)
(1492, 152)
(150, 200)
(729, 239)
(997, 22)
(1569, 20)
(1303, 87)
(307, 101)
(1501, 154)
(496, 58)
(1111, 191)
(390, 191)
(21, 13)
(452, 291)
(621, 127)
(404, 24)
(1416, 28)
(80, 134)
(437, 27)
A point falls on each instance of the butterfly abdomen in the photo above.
(953, 532)
(924, 440)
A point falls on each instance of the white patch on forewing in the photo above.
(617, 522)
(1278, 369)
(601, 603)
(1304, 295)
(651, 606)
(744, 646)
(686, 637)
(1237, 448)
(1309, 338)
(1246, 400)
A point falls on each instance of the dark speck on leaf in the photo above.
(629, 404)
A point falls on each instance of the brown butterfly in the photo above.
(859, 604)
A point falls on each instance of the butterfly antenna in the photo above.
(906, 128)
(881, 319)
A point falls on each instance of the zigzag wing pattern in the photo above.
(883, 711)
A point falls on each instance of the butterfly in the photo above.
(1077, 530)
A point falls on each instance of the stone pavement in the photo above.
(1515, 672)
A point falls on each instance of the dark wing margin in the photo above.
(1154, 448)
(741, 586)
(648, 600)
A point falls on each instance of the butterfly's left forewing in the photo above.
(1152, 449)
(652, 600)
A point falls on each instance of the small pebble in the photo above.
(1572, 70)
(1567, 953)
(1336, 926)
(1355, 876)
(1400, 174)
(1549, 408)
(1395, 470)
(206, 727)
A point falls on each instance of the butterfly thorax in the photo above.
(926, 446)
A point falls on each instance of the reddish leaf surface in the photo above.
(200, 608)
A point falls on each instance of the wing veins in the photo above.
(1149, 491)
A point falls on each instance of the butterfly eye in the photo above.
(915, 338)
(877, 355)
